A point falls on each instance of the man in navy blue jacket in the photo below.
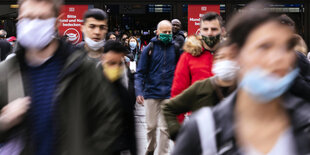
(153, 83)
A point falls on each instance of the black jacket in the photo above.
(5, 49)
(188, 141)
(127, 141)
(301, 86)
(179, 38)
(134, 55)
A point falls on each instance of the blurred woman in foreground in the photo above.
(260, 117)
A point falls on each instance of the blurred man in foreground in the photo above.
(54, 100)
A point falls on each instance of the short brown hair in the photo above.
(57, 4)
(212, 16)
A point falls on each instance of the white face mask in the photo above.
(35, 33)
(226, 70)
(93, 44)
(133, 45)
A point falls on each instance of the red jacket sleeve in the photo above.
(182, 77)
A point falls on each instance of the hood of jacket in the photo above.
(193, 46)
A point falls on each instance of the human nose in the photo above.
(97, 30)
(277, 56)
(209, 32)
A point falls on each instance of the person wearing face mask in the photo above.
(207, 92)
(153, 81)
(53, 99)
(196, 61)
(94, 28)
(115, 70)
(261, 117)
(134, 54)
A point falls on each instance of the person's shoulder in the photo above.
(293, 102)
(80, 45)
(4, 43)
(204, 84)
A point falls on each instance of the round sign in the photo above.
(73, 35)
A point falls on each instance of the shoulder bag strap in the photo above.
(206, 130)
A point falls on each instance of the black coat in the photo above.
(179, 38)
(127, 141)
(5, 49)
(301, 86)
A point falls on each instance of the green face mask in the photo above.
(211, 41)
(165, 38)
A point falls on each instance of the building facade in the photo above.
(143, 15)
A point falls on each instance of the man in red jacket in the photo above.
(196, 62)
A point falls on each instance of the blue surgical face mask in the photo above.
(132, 45)
(266, 87)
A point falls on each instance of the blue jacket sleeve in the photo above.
(142, 71)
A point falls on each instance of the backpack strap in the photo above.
(176, 51)
(206, 129)
(151, 48)
(11, 84)
(3, 85)
(15, 81)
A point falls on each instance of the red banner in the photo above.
(71, 21)
(194, 14)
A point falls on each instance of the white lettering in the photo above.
(80, 20)
(194, 19)
(68, 24)
(71, 16)
(71, 9)
(63, 20)
(72, 20)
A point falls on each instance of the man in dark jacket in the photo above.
(178, 35)
(5, 46)
(69, 108)
(153, 83)
(119, 75)
(5, 49)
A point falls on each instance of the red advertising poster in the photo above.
(71, 21)
(194, 14)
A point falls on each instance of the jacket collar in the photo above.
(73, 57)
(155, 40)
